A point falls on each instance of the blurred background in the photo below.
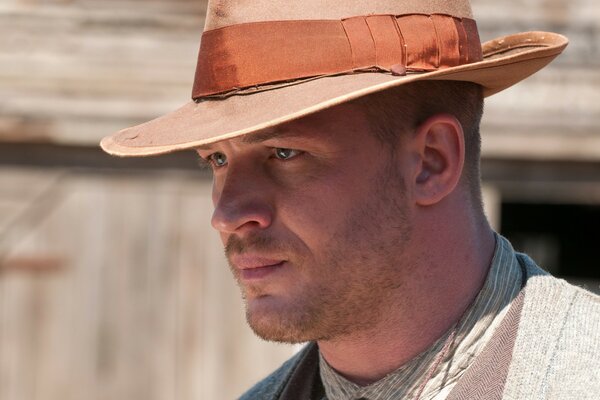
(112, 284)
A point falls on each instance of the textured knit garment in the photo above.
(473, 332)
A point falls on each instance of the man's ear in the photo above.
(439, 150)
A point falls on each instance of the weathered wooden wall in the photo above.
(555, 114)
(72, 71)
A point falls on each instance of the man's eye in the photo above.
(217, 159)
(286, 154)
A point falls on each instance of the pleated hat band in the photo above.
(257, 55)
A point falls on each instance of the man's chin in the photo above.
(277, 323)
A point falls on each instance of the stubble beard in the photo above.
(355, 281)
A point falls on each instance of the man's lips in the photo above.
(255, 267)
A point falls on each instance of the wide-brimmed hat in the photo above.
(263, 62)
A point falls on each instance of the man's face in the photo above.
(315, 223)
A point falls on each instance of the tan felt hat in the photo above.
(264, 62)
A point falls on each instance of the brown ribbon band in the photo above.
(260, 53)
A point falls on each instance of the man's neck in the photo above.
(441, 290)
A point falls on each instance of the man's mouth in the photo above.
(252, 267)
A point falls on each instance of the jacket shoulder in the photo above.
(270, 388)
(556, 353)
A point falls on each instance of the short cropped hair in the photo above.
(402, 110)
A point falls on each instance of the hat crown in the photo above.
(221, 13)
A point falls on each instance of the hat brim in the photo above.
(506, 61)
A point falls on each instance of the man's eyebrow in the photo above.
(259, 137)
(267, 134)
(204, 147)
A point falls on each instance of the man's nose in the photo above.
(241, 203)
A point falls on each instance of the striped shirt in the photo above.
(475, 329)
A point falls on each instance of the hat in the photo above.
(263, 62)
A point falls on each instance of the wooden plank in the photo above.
(79, 71)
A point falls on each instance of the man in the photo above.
(344, 143)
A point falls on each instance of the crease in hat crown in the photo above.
(501, 63)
